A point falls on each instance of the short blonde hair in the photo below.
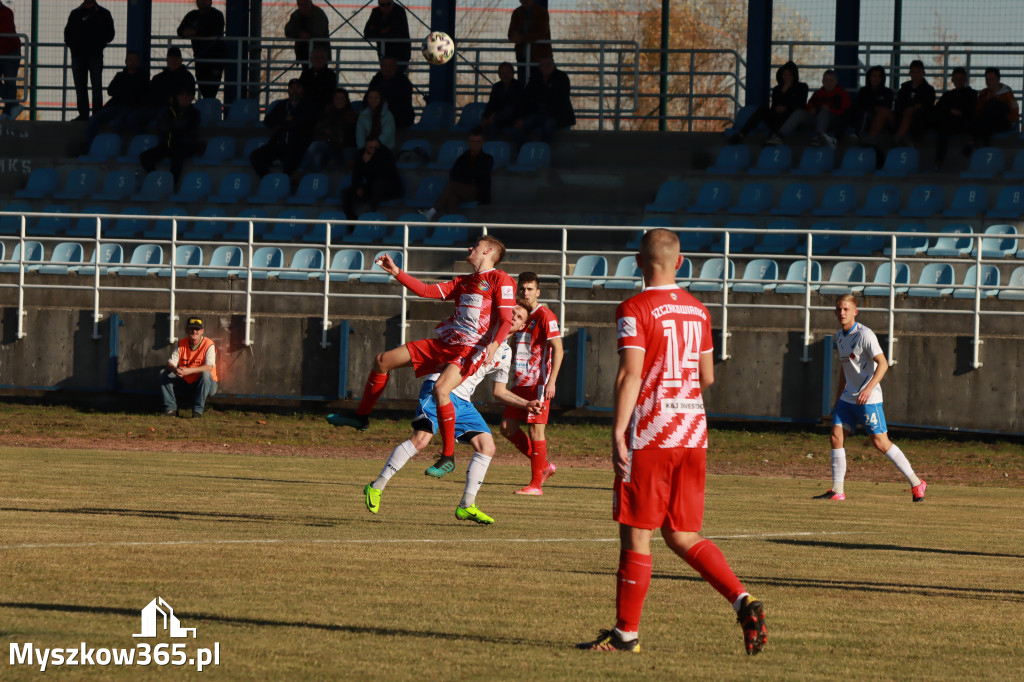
(842, 298)
(496, 243)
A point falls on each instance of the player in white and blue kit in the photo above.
(860, 400)
(470, 428)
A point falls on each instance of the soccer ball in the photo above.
(438, 48)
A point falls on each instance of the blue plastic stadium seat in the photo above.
(209, 110)
(66, 258)
(741, 117)
(267, 261)
(111, 257)
(881, 284)
(796, 278)
(42, 182)
(146, 259)
(1015, 286)
(220, 149)
(312, 189)
(1016, 172)
(857, 161)
(672, 196)
(336, 220)
(773, 160)
(684, 273)
(733, 158)
(118, 185)
(754, 198)
(869, 241)
(204, 230)
(195, 187)
(847, 277)
(968, 201)
(797, 198)
(989, 282)
(132, 223)
(953, 245)
(368, 230)
(910, 245)
(104, 147)
(286, 229)
(713, 197)
(470, 116)
(79, 185)
(738, 241)
(589, 266)
(136, 146)
(986, 162)
(447, 236)
(346, 265)
(778, 242)
(627, 275)
(449, 152)
(157, 186)
(1009, 203)
(86, 226)
(273, 189)
(936, 279)
(226, 261)
(11, 225)
(757, 276)
(427, 192)
(881, 201)
(374, 274)
(532, 156)
(712, 272)
(924, 202)
(417, 233)
(899, 163)
(242, 113)
(33, 257)
(413, 154)
(825, 243)
(56, 222)
(163, 227)
(188, 258)
(434, 117)
(251, 145)
(999, 241)
(501, 151)
(239, 231)
(838, 200)
(233, 189)
(696, 240)
(816, 161)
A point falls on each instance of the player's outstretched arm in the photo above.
(408, 281)
(507, 397)
(627, 390)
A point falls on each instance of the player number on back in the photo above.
(676, 362)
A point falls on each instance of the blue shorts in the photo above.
(851, 415)
(468, 422)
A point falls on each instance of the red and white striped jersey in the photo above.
(533, 356)
(477, 298)
(673, 329)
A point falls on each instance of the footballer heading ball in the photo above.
(438, 48)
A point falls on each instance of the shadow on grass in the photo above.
(263, 622)
(183, 515)
(888, 548)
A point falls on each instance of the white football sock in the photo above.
(475, 473)
(402, 453)
(903, 464)
(838, 469)
(627, 636)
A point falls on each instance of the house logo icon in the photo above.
(151, 619)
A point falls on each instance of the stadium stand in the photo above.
(883, 282)
(732, 159)
(936, 279)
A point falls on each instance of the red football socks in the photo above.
(634, 577)
(538, 461)
(708, 560)
(375, 384)
(521, 441)
(446, 419)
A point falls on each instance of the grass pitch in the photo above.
(277, 560)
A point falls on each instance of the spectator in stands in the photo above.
(529, 24)
(163, 88)
(205, 26)
(396, 89)
(375, 120)
(388, 21)
(996, 112)
(375, 179)
(915, 102)
(505, 102)
(789, 96)
(318, 81)
(128, 92)
(306, 24)
(177, 134)
(547, 103)
(88, 31)
(469, 179)
(872, 109)
(10, 62)
(826, 112)
(291, 122)
(335, 135)
(954, 113)
(191, 371)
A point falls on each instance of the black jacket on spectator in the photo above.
(208, 24)
(474, 171)
(129, 90)
(398, 24)
(796, 97)
(179, 126)
(397, 92)
(297, 132)
(381, 171)
(550, 98)
(88, 30)
(167, 84)
(909, 96)
(318, 86)
(964, 100)
(868, 99)
(502, 98)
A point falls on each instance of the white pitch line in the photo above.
(276, 541)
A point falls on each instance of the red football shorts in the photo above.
(431, 355)
(521, 415)
(663, 486)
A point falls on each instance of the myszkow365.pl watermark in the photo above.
(157, 618)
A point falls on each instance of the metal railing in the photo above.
(561, 257)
